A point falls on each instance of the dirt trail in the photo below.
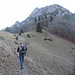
(24, 71)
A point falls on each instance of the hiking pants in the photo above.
(21, 59)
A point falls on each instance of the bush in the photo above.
(38, 28)
(28, 35)
(14, 34)
(19, 33)
(45, 38)
(48, 39)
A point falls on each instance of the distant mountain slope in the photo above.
(55, 18)
(55, 10)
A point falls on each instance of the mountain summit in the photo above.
(55, 10)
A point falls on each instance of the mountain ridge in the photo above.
(38, 12)
(62, 21)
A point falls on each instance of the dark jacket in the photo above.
(23, 50)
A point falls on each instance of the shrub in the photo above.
(45, 38)
(19, 33)
(48, 39)
(28, 35)
(14, 34)
(38, 28)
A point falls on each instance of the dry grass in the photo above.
(49, 57)
(43, 57)
(8, 60)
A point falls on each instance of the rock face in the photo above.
(56, 9)
(56, 18)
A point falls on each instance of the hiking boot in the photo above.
(21, 67)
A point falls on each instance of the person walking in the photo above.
(22, 52)
(16, 37)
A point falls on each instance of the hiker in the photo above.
(16, 37)
(22, 52)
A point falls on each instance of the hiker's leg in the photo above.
(20, 58)
(23, 58)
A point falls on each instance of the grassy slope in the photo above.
(8, 60)
(44, 57)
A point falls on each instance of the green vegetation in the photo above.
(19, 33)
(38, 28)
(28, 35)
(48, 39)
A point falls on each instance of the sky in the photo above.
(18, 10)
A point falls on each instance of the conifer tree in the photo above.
(38, 28)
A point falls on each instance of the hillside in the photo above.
(9, 64)
(49, 57)
(57, 19)
(54, 56)
(43, 13)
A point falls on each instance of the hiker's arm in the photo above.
(18, 49)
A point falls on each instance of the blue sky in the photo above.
(18, 10)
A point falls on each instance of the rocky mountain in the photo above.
(47, 54)
(54, 18)
(55, 10)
